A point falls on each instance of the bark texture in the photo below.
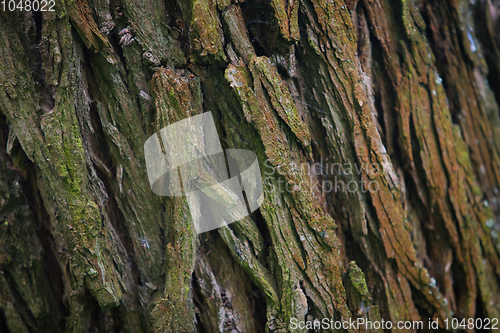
(402, 94)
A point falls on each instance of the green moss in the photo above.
(281, 98)
(315, 47)
(281, 17)
(357, 278)
(206, 34)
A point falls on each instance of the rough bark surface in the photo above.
(403, 94)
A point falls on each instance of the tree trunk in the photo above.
(377, 130)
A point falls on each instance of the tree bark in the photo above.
(396, 100)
